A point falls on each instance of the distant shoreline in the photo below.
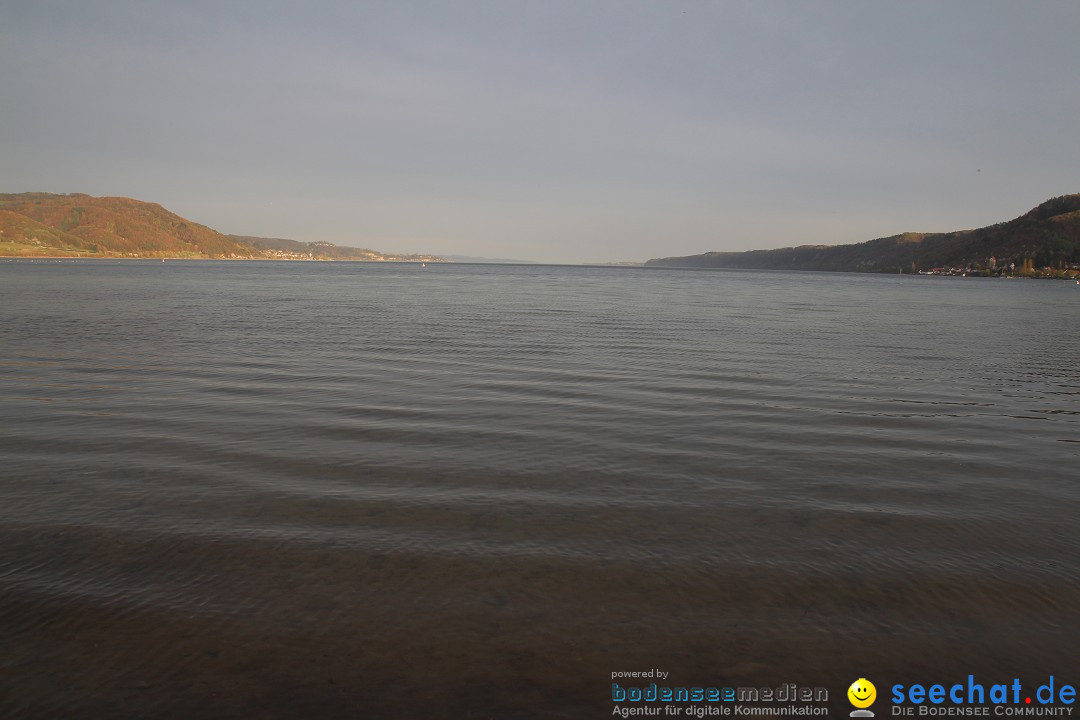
(606, 266)
(219, 259)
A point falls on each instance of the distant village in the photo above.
(274, 254)
(992, 267)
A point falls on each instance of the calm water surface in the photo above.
(343, 490)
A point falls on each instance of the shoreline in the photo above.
(180, 259)
(1067, 279)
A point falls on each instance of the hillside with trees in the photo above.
(1044, 241)
(76, 225)
(43, 224)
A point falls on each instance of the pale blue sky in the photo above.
(553, 131)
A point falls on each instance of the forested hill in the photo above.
(76, 225)
(43, 224)
(1046, 237)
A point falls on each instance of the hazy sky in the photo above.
(555, 131)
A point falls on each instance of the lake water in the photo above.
(345, 490)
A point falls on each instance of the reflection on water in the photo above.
(347, 490)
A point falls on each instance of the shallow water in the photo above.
(245, 489)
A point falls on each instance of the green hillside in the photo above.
(1044, 241)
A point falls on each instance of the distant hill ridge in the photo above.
(76, 224)
(296, 250)
(49, 225)
(1047, 236)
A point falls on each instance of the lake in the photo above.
(348, 490)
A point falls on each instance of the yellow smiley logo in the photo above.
(862, 693)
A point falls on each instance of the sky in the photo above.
(552, 131)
